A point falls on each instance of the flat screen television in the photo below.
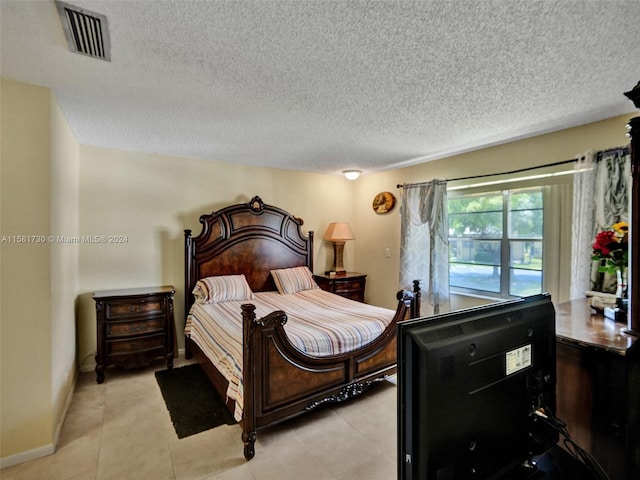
(469, 382)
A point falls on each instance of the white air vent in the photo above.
(87, 32)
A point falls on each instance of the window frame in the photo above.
(505, 190)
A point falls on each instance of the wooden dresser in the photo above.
(598, 387)
(134, 327)
(349, 285)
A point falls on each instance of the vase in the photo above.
(621, 291)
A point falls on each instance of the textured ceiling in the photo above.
(326, 85)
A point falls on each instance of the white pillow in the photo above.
(223, 288)
(292, 280)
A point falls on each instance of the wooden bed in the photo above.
(279, 381)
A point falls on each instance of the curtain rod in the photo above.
(573, 160)
(611, 150)
(492, 174)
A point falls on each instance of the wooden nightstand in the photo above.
(135, 326)
(350, 285)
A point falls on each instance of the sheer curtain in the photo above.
(582, 226)
(424, 244)
(602, 184)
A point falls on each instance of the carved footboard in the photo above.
(281, 382)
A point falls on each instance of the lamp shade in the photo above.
(338, 232)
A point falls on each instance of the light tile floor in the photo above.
(121, 430)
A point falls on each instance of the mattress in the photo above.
(319, 324)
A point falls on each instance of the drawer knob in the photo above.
(135, 308)
(135, 328)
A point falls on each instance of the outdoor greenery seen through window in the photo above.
(495, 242)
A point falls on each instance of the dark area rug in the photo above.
(193, 403)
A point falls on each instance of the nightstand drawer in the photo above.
(349, 285)
(120, 310)
(129, 328)
(135, 345)
(352, 295)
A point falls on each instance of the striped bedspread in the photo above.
(319, 324)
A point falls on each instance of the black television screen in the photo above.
(469, 382)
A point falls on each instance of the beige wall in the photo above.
(152, 199)
(65, 176)
(376, 232)
(25, 284)
(26, 410)
(38, 286)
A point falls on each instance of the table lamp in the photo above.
(338, 233)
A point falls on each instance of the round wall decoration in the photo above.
(384, 202)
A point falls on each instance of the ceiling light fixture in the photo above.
(352, 174)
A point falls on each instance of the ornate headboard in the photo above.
(250, 238)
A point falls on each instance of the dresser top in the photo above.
(131, 292)
(338, 276)
(577, 323)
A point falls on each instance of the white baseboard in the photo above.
(65, 409)
(44, 450)
(27, 455)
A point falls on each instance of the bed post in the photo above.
(310, 253)
(254, 333)
(415, 304)
(248, 378)
(188, 244)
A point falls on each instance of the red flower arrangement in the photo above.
(613, 247)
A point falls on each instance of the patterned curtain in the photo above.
(424, 244)
(611, 196)
(602, 184)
